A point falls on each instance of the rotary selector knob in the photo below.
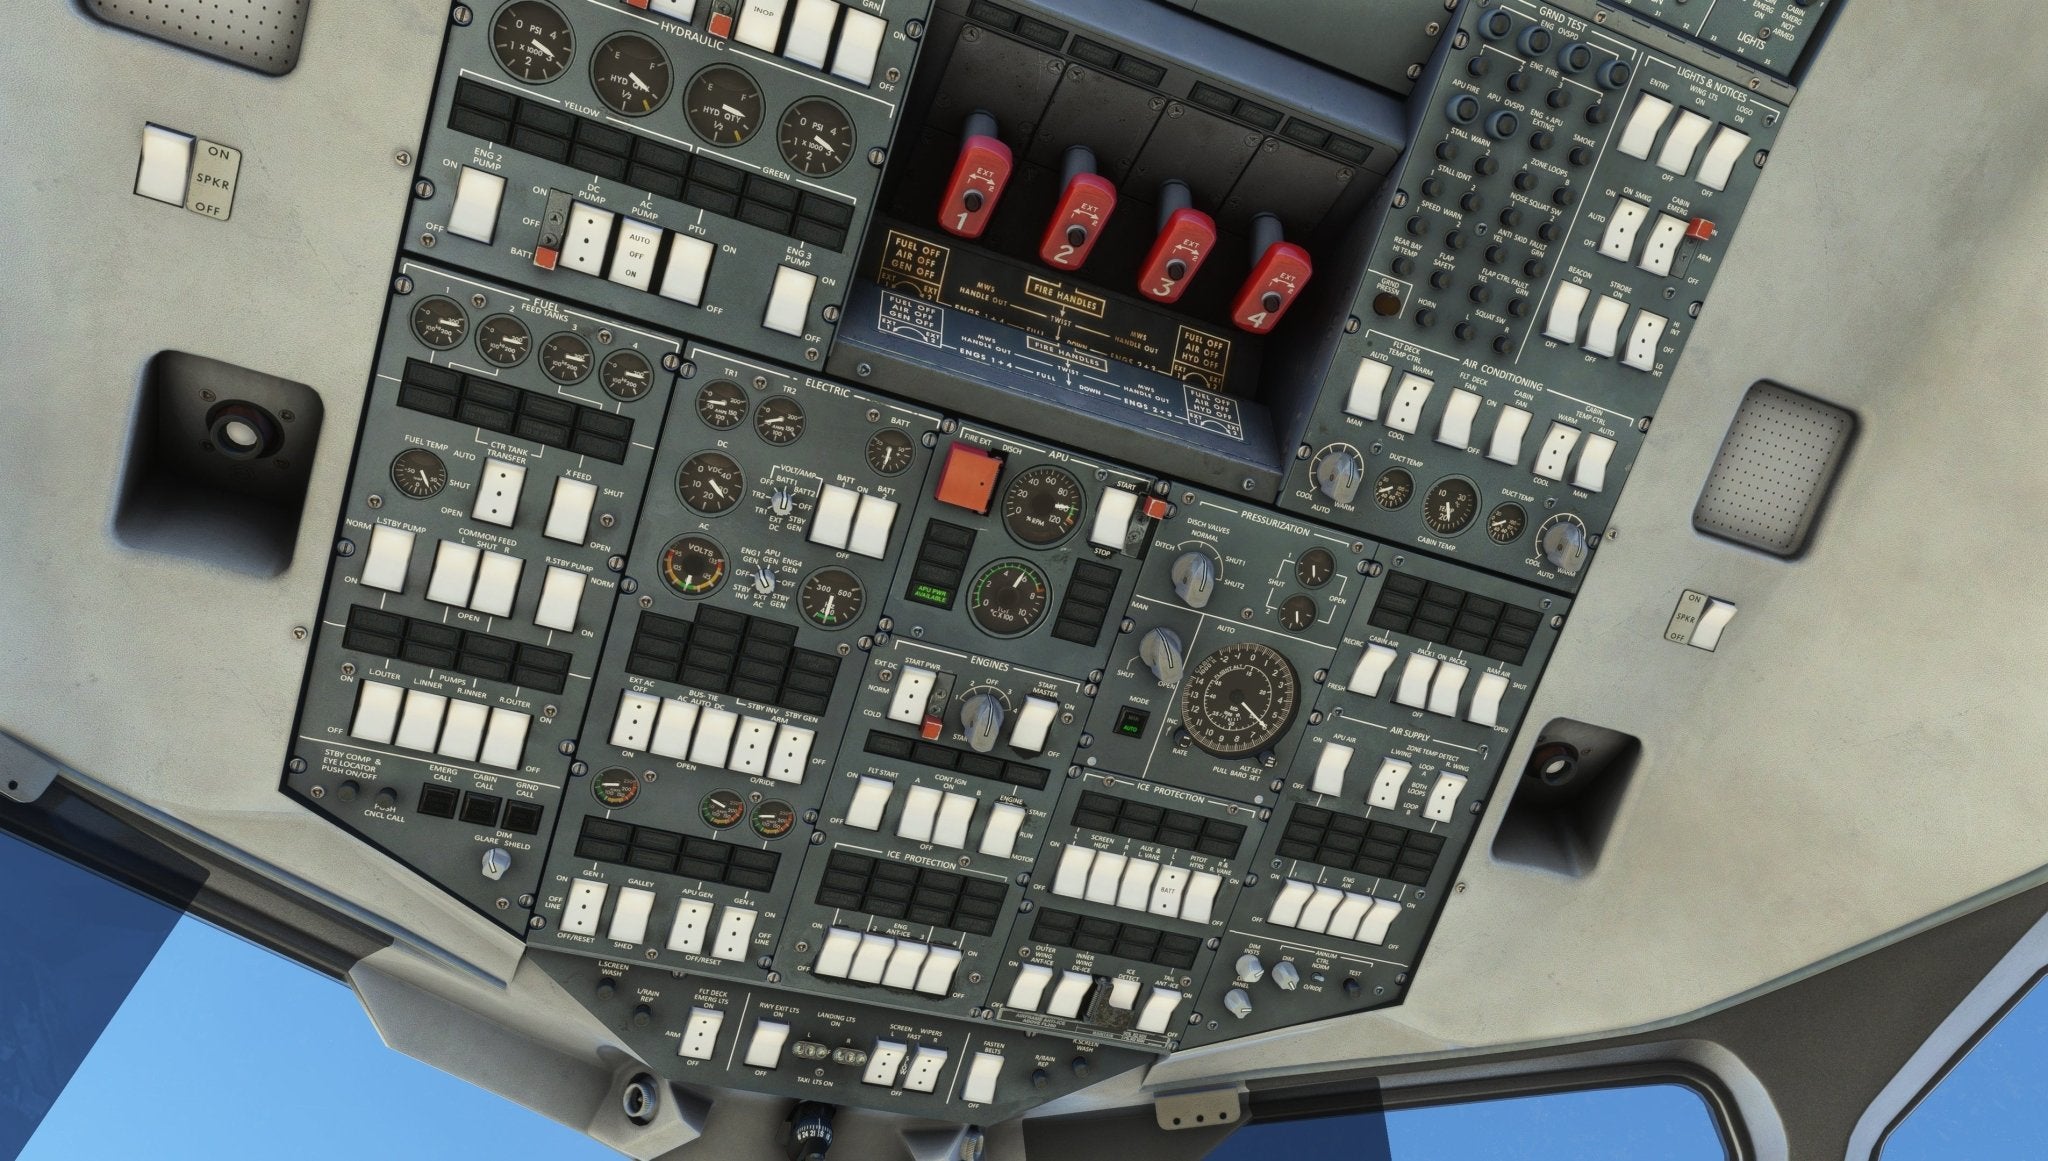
(782, 502)
(497, 861)
(764, 580)
(1563, 542)
(1238, 1002)
(1249, 969)
(1285, 975)
(1194, 578)
(1338, 474)
(1161, 650)
(981, 719)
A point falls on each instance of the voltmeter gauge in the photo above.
(722, 405)
(503, 341)
(1393, 489)
(566, 357)
(831, 598)
(694, 565)
(1043, 506)
(631, 74)
(1504, 524)
(1449, 507)
(532, 41)
(439, 323)
(1008, 598)
(1314, 568)
(711, 483)
(419, 473)
(779, 420)
(616, 787)
(723, 104)
(889, 451)
(816, 137)
(626, 375)
(1239, 699)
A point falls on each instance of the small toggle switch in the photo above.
(1279, 271)
(1086, 200)
(978, 178)
(1186, 235)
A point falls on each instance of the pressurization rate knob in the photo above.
(1161, 650)
(1086, 200)
(1286, 976)
(1194, 578)
(1238, 1002)
(981, 719)
(979, 176)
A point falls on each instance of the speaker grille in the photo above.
(260, 34)
(1775, 469)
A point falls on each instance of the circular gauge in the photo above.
(723, 104)
(831, 597)
(630, 74)
(721, 809)
(1314, 568)
(1043, 506)
(1505, 523)
(711, 483)
(419, 473)
(439, 323)
(816, 137)
(693, 565)
(1393, 489)
(779, 420)
(889, 451)
(532, 41)
(503, 340)
(566, 357)
(1237, 700)
(626, 375)
(1007, 598)
(616, 787)
(722, 405)
(1451, 504)
(1297, 612)
(773, 819)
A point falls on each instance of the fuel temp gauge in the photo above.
(419, 473)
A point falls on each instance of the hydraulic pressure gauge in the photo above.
(816, 137)
(532, 41)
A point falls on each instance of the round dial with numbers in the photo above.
(779, 420)
(1043, 505)
(831, 598)
(566, 357)
(1451, 504)
(631, 74)
(419, 473)
(532, 41)
(722, 405)
(1504, 524)
(1008, 598)
(1314, 568)
(816, 137)
(889, 451)
(693, 565)
(439, 322)
(723, 104)
(1239, 699)
(616, 787)
(503, 340)
(626, 375)
(1393, 489)
(711, 483)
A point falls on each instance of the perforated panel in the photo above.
(260, 34)
(1774, 469)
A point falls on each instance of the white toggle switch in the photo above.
(870, 796)
(883, 1063)
(1330, 767)
(1727, 148)
(1103, 876)
(765, 1049)
(1371, 670)
(1665, 238)
(700, 1033)
(999, 834)
(1123, 993)
(832, 523)
(497, 584)
(1643, 124)
(1443, 797)
(672, 733)
(920, 813)
(569, 511)
(1198, 901)
(689, 266)
(629, 915)
(1294, 895)
(1368, 384)
(1556, 451)
(1486, 695)
(735, 932)
(1166, 891)
(561, 596)
(1405, 413)
(1070, 879)
(1029, 987)
(982, 1072)
(1068, 994)
(1455, 429)
(751, 743)
(166, 167)
(936, 977)
(956, 814)
(926, 1066)
(872, 521)
(792, 753)
(1445, 688)
(505, 739)
(462, 734)
(760, 24)
(1388, 782)
(1315, 915)
(1565, 307)
(713, 741)
(1034, 720)
(390, 553)
(1157, 1014)
(454, 573)
(1134, 891)
(1713, 621)
(1113, 515)
(860, 43)
(1508, 430)
(692, 924)
(1415, 678)
(789, 300)
(913, 690)
(586, 903)
(1641, 352)
(835, 957)
(1686, 135)
(1619, 242)
(1349, 914)
(810, 32)
(419, 726)
(497, 493)
(904, 961)
(1381, 917)
(1603, 334)
(633, 727)
(634, 252)
(585, 241)
(1591, 474)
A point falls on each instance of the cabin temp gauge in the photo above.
(1449, 507)
(1238, 700)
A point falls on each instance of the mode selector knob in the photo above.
(1161, 650)
(497, 861)
(1249, 969)
(783, 502)
(764, 580)
(1338, 474)
(1238, 1002)
(1194, 578)
(1286, 976)
(981, 719)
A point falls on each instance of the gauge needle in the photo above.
(824, 144)
(1019, 582)
(426, 481)
(543, 49)
(715, 488)
(733, 111)
(638, 83)
(1252, 714)
(830, 601)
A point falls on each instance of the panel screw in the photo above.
(567, 747)
(607, 520)
(831, 314)
(298, 632)
(526, 900)
(345, 548)
(374, 502)
(646, 602)
(671, 362)
(537, 922)
(296, 765)
(603, 336)
(478, 301)
(318, 792)
(864, 370)
(893, 75)
(208, 395)
(913, 29)
(402, 284)
(402, 158)
(1557, 622)
(348, 669)
(504, 904)
(423, 189)
(427, 240)
(877, 156)
(462, 15)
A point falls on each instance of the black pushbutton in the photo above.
(1565, 195)
(1403, 265)
(1463, 109)
(972, 199)
(1425, 317)
(1611, 74)
(1441, 279)
(1496, 24)
(347, 791)
(1575, 57)
(1465, 331)
(1386, 305)
(1076, 235)
(1418, 226)
(1478, 65)
(1471, 202)
(1271, 301)
(1495, 255)
(1456, 240)
(1534, 41)
(1596, 114)
(1502, 124)
(1558, 98)
(1176, 269)
(1542, 140)
(1525, 181)
(1535, 268)
(1517, 81)
(1550, 231)
(1503, 343)
(1511, 217)
(1431, 187)
(1446, 150)
(1481, 293)
(1580, 155)
(1518, 307)
(1486, 166)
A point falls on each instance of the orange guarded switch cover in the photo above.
(968, 479)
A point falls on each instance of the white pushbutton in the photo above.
(883, 1063)
(1387, 783)
(936, 979)
(1415, 679)
(561, 596)
(419, 727)
(1443, 797)
(835, 958)
(692, 924)
(700, 1033)
(904, 963)
(1034, 721)
(872, 521)
(870, 797)
(751, 743)
(1455, 430)
(497, 584)
(1591, 474)
(583, 243)
(980, 1086)
(765, 1049)
(1603, 334)
(1405, 413)
(1371, 670)
(760, 23)
(999, 834)
(792, 753)
(1642, 341)
(926, 1065)
(860, 43)
(454, 573)
(1368, 384)
(1508, 430)
(1565, 307)
(1556, 450)
(569, 511)
(1619, 242)
(1676, 156)
(478, 193)
(714, 736)
(1723, 152)
(505, 739)
(789, 300)
(1113, 515)
(735, 932)
(1158, 1011)
(1134, 892)
(1444, 690)
(810, 32)
(462, 734)
(832, 523)
(1166, 891)
(956, 814)
(166, 167)
(920, 812)
(672, 732)
(389, 555)
(688, 267)
(1713, 620)
(633, 727)
(586, 903)
(1349, 914)
(1294, 895)
(1029, 987)
(1330, 767)
(1381, 917)
(1665, 238)
(497, 493)
(1070, 878)
(1103, 876)
(683, 10)
(1198, 902)
(1068, 994)
(629, 915)
(1486, 695)
(913, 689)
(1643, 124)
(1315, 916)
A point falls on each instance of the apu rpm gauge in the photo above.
(723, 104)
(1042, 506)
(1239, 699)
(816, 137)
(1007, 598)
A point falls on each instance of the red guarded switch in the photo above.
(1186, 235)
(1279, 272)
(978, 179)
(1086, 200)
(968, 479)
(1699, 230)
